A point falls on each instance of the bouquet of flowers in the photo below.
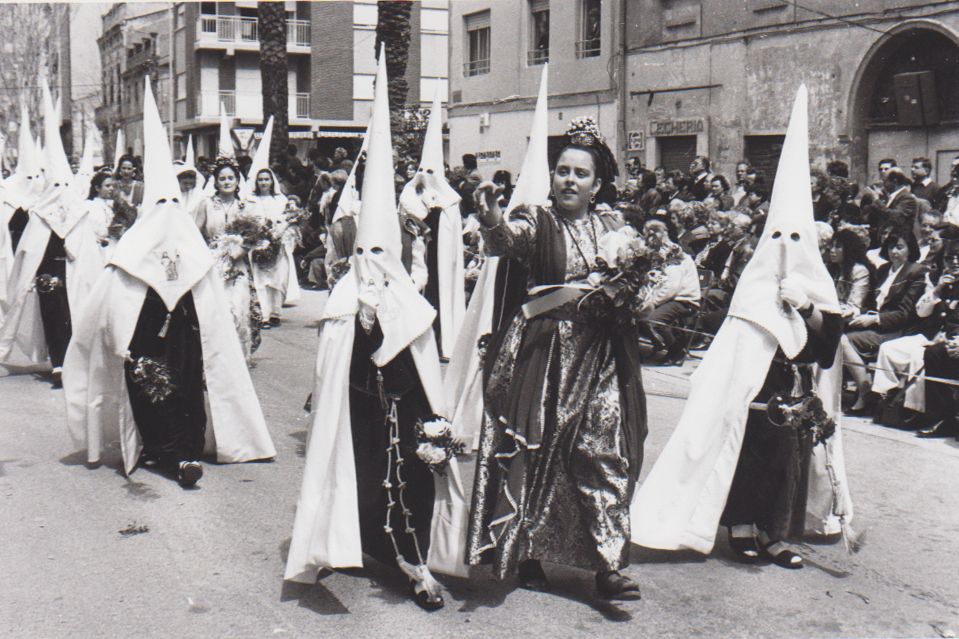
(47, 283)
(801, 413)
(628, 270)
(246, 235)
(338, 269)
(152, 377)
(435, 444)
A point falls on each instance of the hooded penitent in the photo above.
(326, 532)
(427, 193)
(225, 149)
(118, 150)
(680, 503)
(464, 379)
(55, 216)
(349, 201)
(165, 252)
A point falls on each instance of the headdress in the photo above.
(584, 132)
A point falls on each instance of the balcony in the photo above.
(539, 56)
(588, 48)
(476, 67)
(247, 105)
(237, 32)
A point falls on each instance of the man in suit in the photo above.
(700, 177)
(923, 186)
(900, 207)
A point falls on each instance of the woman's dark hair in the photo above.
(97, 181)
(256, 188)
(853, 252)
(132, 160)
(722, 180)
(505, 178)
(603, 160)
(647, 180)
(904, 234)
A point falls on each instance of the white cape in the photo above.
(451, 277)
(326, 531)
(94, 383)
(681, 501)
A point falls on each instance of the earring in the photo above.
(592, 199)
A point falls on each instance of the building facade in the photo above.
(498, 49)
(718, 78)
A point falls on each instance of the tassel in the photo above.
(422, 576)
(851, 540)
(166, 326)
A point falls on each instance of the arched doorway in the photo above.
(905, 100)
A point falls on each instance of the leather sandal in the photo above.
(422, 598)
(612, 584)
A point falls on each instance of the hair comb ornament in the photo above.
(584, 132)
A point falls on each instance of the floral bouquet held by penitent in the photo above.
(435, 444)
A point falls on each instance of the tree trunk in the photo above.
(393, 28)
(273, 72)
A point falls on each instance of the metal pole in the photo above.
(171, 73)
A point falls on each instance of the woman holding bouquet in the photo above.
(230, 233)
(272, 263)
(562, 441)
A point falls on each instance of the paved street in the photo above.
(209, 562)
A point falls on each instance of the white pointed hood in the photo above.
(81, 182)
(436, 190)
(118, 150)
(788, 246)
(225, 148)
(189, 159)
(377, 279)
(26, 179)
(349, 198)
(533, 184)
(261, 160)
(164, 248)
(56, 204)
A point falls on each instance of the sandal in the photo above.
(744, 547)
(422, 598)
(532, 577)
(612, 584)
(780, 554)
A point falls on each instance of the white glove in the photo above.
(793, 292)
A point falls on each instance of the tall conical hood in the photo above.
(159, 177)
(261, 160)
(81, 181)
(164, 248)
(789, 246)
(57, 166)
(432, 165)
(533, 184)
(26, 161)
(118, 150)
(225, 148)
(378, 225)
(190, 159)
(350, 196)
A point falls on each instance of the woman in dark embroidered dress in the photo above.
(562, 442)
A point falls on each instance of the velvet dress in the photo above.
(562, 440)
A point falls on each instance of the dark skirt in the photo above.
(54, 304)
(769, 487)
(172, 428)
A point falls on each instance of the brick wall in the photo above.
(331, 61)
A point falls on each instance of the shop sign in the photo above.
(691, 126)
(636, 141)
(488, 157)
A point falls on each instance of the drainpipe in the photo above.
(621, 98)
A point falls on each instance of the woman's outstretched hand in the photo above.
(486, 197)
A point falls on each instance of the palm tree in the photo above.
(393, 28)
(273, 71)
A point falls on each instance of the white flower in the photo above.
(436, 428)
(594, 279)
(612, 242)
(430, 454)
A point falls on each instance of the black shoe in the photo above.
(189, 473)
(612, 584)
(275, 320)
(265, 326)
(780, 554)
(941, 429)
(532, 577)
(422, 599)
(745, 549)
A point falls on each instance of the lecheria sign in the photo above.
(676, 127)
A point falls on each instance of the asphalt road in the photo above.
(209, 562)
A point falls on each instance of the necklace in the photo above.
(592, 229)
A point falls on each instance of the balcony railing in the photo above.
(241, 30)
(540, 56)
(588, 48)
(247, 104)
(476, 67)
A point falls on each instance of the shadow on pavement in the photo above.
(313, 597)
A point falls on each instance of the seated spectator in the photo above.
(650, 199)
(892, 312)
(712, 257)
(929, 221)
(899, 206)
(675, 299)
(696, 215)
(504, 180)
(719, 193)
(717, 298)
(822, 205)
(824, 234)
(837, 169)
(738, 192)
(851, 270)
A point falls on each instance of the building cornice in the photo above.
(512, 103)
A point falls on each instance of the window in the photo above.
(478, 43)
(676, 152)
(538, 52)
(762, 152)
(208, 8)
(590, 28)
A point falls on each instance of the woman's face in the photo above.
(717, 188)
(105, 190)
(836, 253)
(899, 252)
(127, 170)
(715, 226)
(574, 180)
(187, 181)
(264, 183)
(226, 181)
(410, 171)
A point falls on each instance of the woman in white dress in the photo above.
(271, 270)
(214, 215)
(99, 205)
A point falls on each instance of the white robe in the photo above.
(98, 406)
(326, 531)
